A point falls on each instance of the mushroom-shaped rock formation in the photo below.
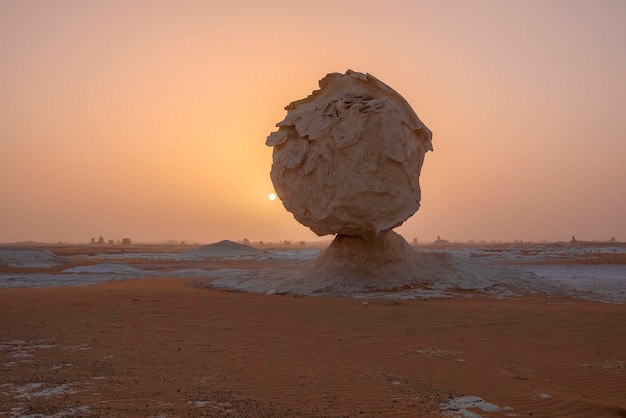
(347, 159)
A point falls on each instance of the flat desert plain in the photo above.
(162, 347)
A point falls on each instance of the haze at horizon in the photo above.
(148, 119)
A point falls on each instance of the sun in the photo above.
(272, 196)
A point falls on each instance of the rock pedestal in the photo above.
(388, 256)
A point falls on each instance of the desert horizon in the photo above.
(320, 242)
(312, 209)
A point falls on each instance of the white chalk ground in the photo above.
(22, 353)
(452, 269)
(595, 282)
(441, 275)
(460, 407)
(606, 282)
(107, 268)
(200, 254)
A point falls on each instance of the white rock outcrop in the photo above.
(29, 258)
(347, 159)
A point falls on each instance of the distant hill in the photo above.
(225, 249)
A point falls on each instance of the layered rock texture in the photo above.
(347, 159)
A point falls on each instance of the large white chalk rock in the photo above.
(347, 159)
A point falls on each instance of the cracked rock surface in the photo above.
(347, 159)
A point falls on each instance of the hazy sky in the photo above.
(147, 119)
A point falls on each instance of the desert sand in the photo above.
(163, 347)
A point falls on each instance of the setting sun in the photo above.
(272, 196)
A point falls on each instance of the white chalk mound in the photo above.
(106, 268)
(347, 159)
(29, 258)
(344, 272)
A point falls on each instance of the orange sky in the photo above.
(147, 119)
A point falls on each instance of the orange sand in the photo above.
(160, 347)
